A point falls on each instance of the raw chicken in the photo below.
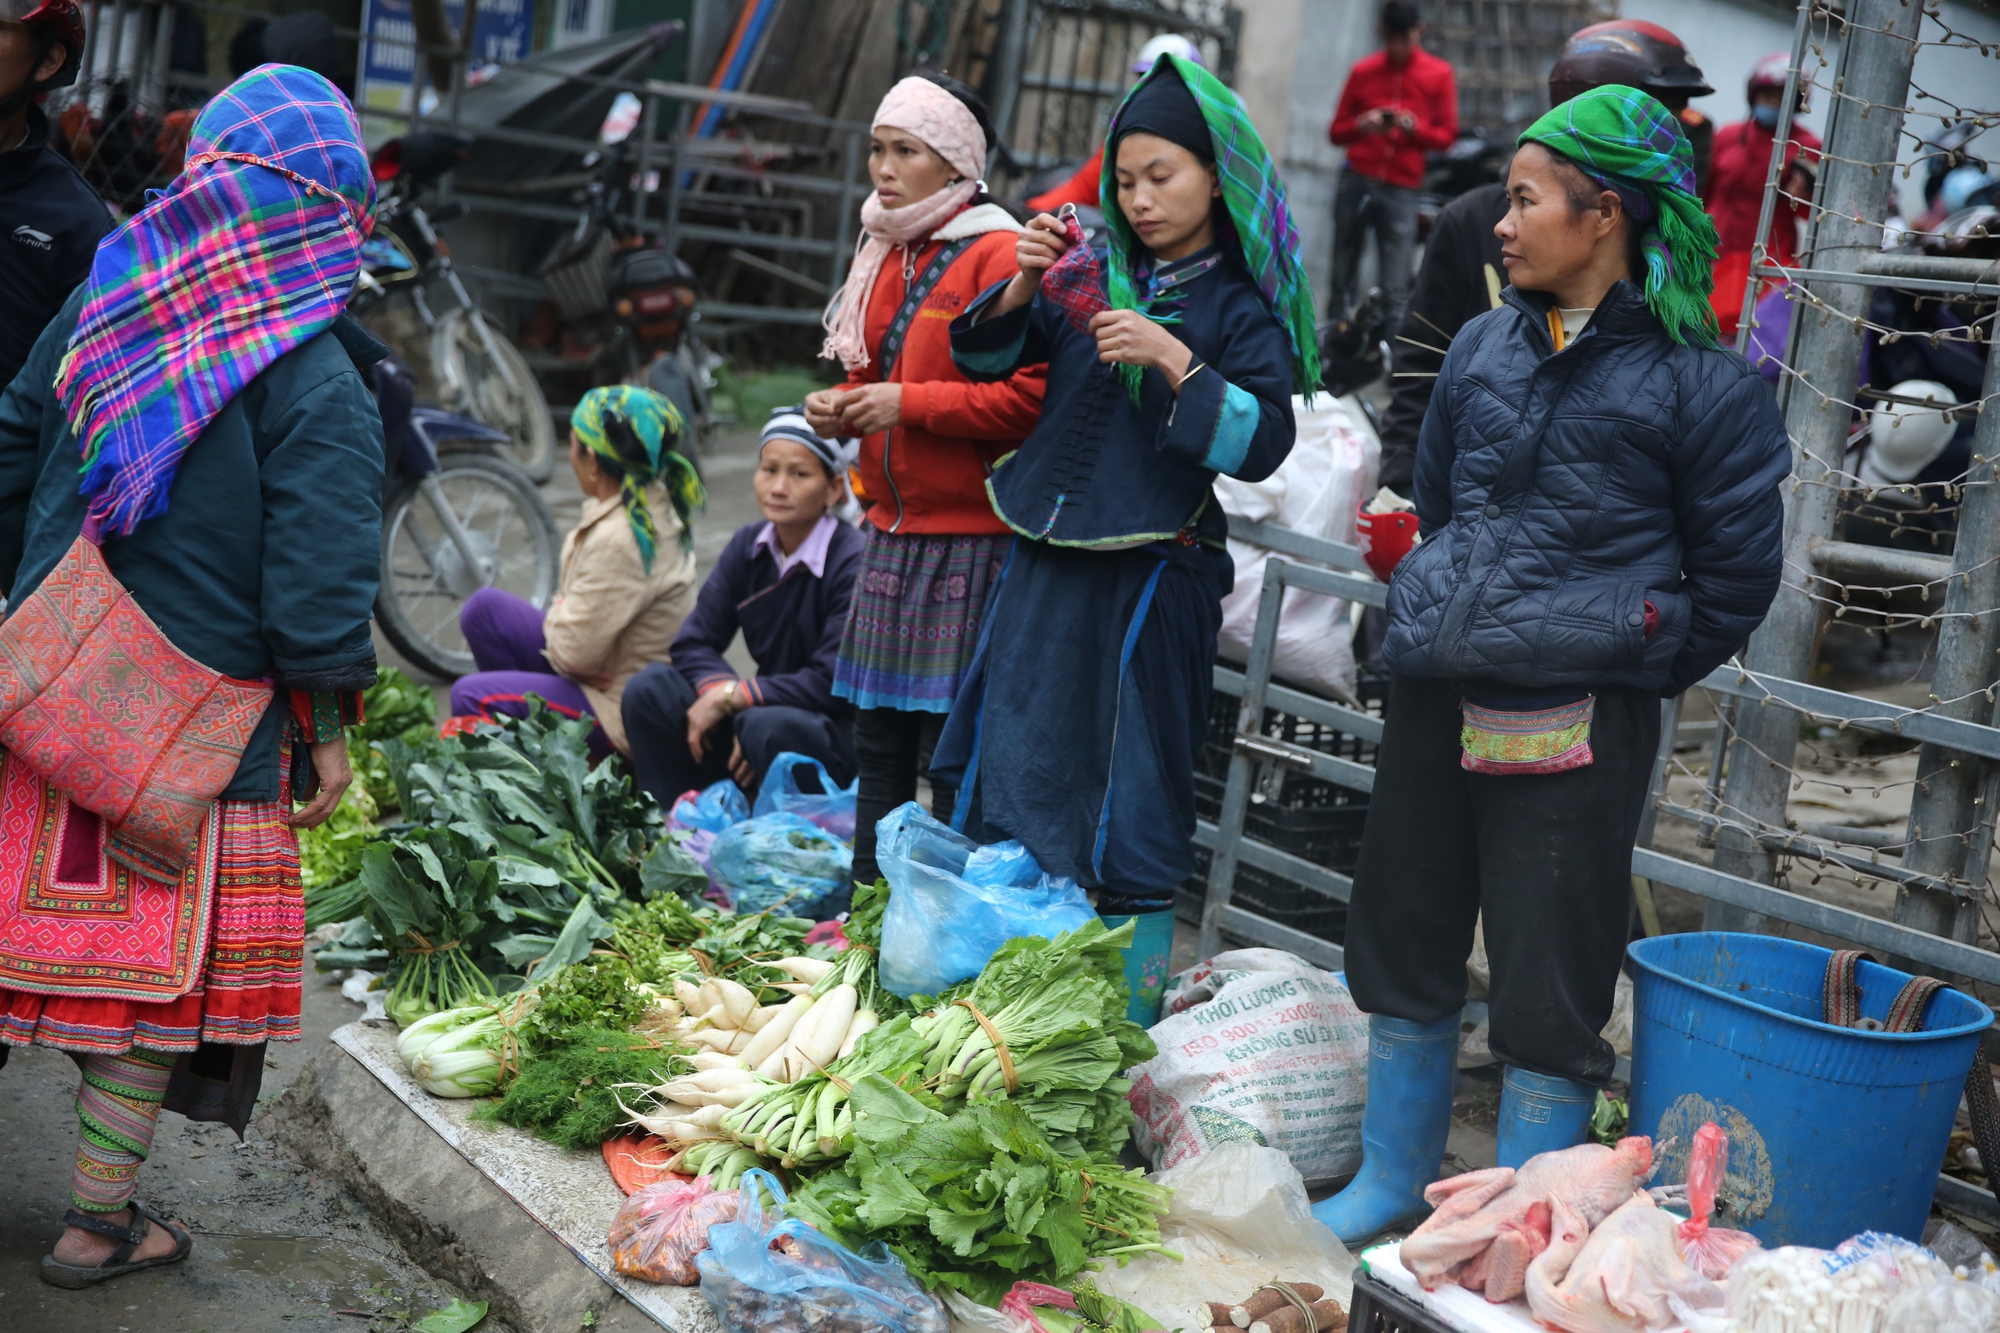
(1490, 1224)
(1617, 1277)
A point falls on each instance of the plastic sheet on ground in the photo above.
(1240, 1218)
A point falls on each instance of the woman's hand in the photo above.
(822, 409)
(871, 408)
(1036, 250)
(1129, 338)
(739, 769)
(707, 712)
(329, 760)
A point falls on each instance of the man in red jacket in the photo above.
(1399, 103)
(1736, 176)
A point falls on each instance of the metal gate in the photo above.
(1053, 70)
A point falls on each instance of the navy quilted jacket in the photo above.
(1559, 492)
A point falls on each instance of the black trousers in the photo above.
(655, 708)
(894, 747)
(1548, 858)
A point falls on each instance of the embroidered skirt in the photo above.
(914, 622)
(247, 937)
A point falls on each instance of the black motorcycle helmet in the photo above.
(1629, 51)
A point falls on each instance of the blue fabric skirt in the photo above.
(1077, 725)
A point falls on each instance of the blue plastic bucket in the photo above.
(1832, 1131)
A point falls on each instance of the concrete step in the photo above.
(509, 1219)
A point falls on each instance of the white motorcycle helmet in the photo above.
(1166, 44)
(1904, 439)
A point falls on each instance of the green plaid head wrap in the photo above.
(635, 431)
(1628, 143)
(1255, 199)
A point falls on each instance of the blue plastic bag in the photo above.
(780, 858)
(754, 1288)
(953, 902)
(714, 808)
(832, 808)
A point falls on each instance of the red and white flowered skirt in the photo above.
(96, 958)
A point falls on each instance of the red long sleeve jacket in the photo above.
(1424, 87)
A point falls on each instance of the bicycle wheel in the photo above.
(425, 575)
(473, 382)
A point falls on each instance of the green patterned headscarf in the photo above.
(1255, 198)
(1628, 143)
(635, 432)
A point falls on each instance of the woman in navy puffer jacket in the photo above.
(1598, 487)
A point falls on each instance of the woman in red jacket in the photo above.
(933, 242)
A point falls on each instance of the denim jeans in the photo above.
(1361, 205)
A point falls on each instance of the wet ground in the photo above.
(275, 1248)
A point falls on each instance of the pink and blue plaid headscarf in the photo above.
(252, 249)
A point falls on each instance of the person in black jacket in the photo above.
(50, 219)
(1462, 275)
(785, 583)
(1598, 485)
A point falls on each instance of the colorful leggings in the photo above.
(118, 1105)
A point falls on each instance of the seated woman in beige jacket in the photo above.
(628, 575)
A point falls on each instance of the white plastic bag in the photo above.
(1240, 1218)
(1258, 1046)
(1316, 491)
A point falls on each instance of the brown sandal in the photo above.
(119, 1262)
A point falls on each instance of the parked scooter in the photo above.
(457, 515)
(630, 309)
(477, 368)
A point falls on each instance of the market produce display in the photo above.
(544, 944)
(1619, 1276)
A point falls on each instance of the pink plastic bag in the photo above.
(1710, 1251)
(659, 1230)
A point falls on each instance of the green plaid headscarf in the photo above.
(1255, 198)
(1628, 143)
(636, 431)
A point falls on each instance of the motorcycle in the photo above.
(478, 369)
(457, 515)
(629, 308)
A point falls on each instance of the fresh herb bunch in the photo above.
(569, 1095)
(976, 1199)
(600, 992)
(864, 917)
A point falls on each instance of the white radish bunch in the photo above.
(710, 1087)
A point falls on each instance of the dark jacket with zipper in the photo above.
(1560, 492)
(265, 565)
(791, 626)
(1461, 278)
(50, 224)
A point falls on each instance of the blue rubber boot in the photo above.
(1145, 960)
(1540, 1114)
(1403, 1127)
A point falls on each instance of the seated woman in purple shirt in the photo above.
(785, 583)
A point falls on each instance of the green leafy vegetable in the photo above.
(570, 1094)
(458, 1317)
(976, 1199)
(430, 901)
(579, 998)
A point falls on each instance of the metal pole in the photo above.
(642, 193)
(1946, 806)
(1875, 76)
(1004, 89)
(1244, 768)
(162, 57)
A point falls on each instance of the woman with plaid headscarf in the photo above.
(194, 429)
(1173, 360)
(1597, 482)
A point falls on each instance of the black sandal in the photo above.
(120, 1261)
